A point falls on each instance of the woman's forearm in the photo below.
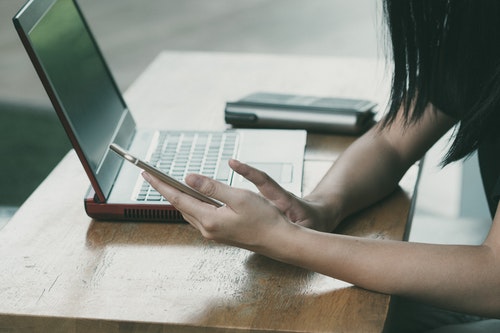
(373, 165)
(365, 173)
(461, 278)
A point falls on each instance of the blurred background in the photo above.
(131, 33)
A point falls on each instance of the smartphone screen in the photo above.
(163, 176)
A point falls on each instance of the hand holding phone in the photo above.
(163, 176)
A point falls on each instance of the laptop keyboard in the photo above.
(178, 154)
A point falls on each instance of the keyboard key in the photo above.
(181, 153)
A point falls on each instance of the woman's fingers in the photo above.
(190, 207)
(211, 188)
(265, 184)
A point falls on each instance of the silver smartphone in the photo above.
(163, 176)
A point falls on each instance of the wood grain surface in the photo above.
(64, 272)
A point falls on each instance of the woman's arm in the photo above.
(373, 165)
(464, 278)
(457, 277)
(367, 171)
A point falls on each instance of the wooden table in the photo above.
(63, 272)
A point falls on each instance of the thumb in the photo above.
(209, 187)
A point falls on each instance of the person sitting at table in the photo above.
(446, 58)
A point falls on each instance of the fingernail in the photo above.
(194, 181)
(146, 176)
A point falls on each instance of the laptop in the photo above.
(94, 115)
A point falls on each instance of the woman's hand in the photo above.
(308, 214)
(247, 220)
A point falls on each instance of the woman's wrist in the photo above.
(282, 243)
(328, 210)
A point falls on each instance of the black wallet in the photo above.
(315, 114)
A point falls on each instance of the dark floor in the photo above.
(32, 141)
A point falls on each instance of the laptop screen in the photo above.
(79, 83)
(80, 79)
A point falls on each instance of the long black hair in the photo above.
(447, 52)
